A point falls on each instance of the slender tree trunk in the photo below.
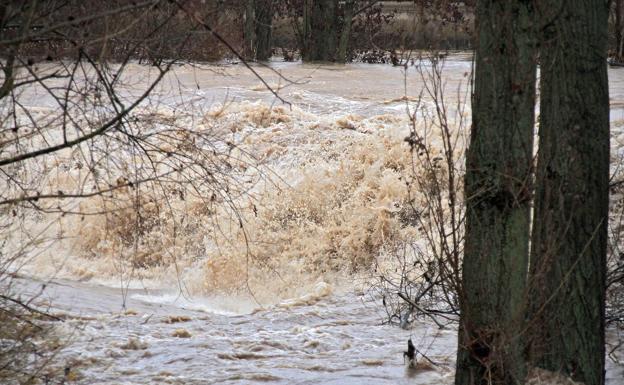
(569, 241)
(497, 187)
(264, 29)
(619, 9)
(249, 32)
(422, 25)
(7, 67)
(345, 34)
(305, 40)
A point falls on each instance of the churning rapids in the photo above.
(326, 180)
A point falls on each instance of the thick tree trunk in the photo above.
(321, 30)
(570, 219)
(497, 187)
(264, 29)
(345, 33)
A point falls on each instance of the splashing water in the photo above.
(183, 286)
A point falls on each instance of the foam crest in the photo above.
(304, 199)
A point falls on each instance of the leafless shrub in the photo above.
(615, 256)
(615, 264)
(422, 279)
(86, 141)
(28, 344)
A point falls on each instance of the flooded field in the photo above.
(270, 284)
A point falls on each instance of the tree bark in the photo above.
(258, 29)
(497, 187)
(321, 30)
(345, 33)
(422, 25)
(307, 27)
(569, 243)
(264, 29)
(250, 30)
(619, 9)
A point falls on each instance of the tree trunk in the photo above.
(619, 9)
(307, 27)
(258, 29)
(264, 29)
(250, 30)
(569, 241)
(422, 25)
(498, 185)
(345, 34)
(321, 30)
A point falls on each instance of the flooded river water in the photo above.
(324, 206)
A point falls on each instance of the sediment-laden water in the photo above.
(269, 286)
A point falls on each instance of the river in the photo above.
(332, 161)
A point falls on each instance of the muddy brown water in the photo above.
(329, 331)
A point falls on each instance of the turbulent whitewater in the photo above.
(261, 274)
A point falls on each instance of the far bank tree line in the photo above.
(322, 28)
(331, 30)
(314, 30)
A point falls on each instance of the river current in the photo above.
(326, 179)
